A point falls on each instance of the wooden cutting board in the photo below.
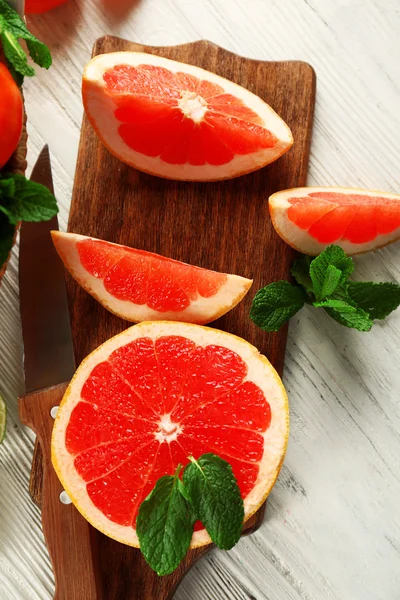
(223, 226)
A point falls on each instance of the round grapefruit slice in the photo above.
(155, 394)
(310, 219)
(179, 121)
(143, 286)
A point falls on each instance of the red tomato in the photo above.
(34, 7)
(11, 115)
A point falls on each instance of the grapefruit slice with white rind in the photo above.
(153, 395)
(179, 121)
(310, 219)
(143, 286)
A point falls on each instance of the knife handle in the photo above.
(66, 532)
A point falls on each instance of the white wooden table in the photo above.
(332, 529)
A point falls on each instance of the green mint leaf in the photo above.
(7, 187)
(346, 314)
(274, 304)
(332, 255)
(13, 28)
(7, 233)
(30, 201)
(377, 299)
(39, 52)
(332, 280)
(15, 54)
(216, 498)
(301, 272)
(165, 525)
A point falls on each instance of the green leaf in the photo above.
(332, 280)
(39, 52)
(346, 314)
(377, 299)
(15, 55)
(216, 498)
(165, 525)
(7, 233)
(275, 304)
(301, 272)
(13, 28)
(332, 255)
(30, 201)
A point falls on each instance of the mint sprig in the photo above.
(12, 29)
(324, 283)
(165, 525)
(208, 492)
(21, 200)
(216, 498)
(275, 304)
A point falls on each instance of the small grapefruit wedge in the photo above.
(153, 395)
(310, 219)
(143, 286)
(179, 121)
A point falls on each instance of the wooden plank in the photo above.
(223, 226)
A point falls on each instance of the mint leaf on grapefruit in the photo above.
(275, 304)
(216, 498)
(377, 299)
(165, 525)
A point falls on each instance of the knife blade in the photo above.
(48, 348)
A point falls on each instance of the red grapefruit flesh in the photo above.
(178, 121)
(152, 396)
(142, 286)
(310, 219)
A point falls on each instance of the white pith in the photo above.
(260, 371)
(201, 311)
(303, 241)
(168, 430)
(100, 107)
(193, 106)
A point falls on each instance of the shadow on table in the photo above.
(56, 28)
(117, 11)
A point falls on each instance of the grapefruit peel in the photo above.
(259, 371)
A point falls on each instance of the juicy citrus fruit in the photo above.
(142, 286)
(3, 419)
(11, 114)
(310, 219)
(155, 394)
(179, 121)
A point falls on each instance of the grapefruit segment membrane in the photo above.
(310, 219)
(109, 453)
(179, 121)
(137, 285)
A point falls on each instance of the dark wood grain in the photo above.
(223, 226)
(73, 564)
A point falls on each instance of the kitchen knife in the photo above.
(48, 366)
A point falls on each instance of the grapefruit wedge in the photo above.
(310, 219)
(155, 394)
(142, 286)
(179, 121)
